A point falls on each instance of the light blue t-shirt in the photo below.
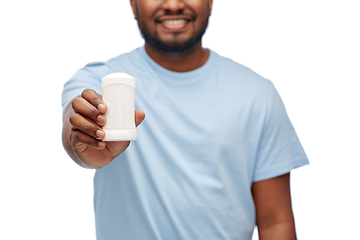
(208, 135)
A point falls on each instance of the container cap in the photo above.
(118, 78)
(127, 134)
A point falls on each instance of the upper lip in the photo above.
(186, 17)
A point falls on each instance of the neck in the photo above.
(180, 62)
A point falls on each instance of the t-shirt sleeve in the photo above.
(88, 77)
(279, 150)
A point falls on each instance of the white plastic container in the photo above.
(118, 92)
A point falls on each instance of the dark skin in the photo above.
(274, 216)
(84, 117)
(153, 10)
(82, 132)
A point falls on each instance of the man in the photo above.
(214, 155)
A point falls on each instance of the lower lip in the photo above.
(173, 27)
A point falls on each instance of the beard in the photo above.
(174, 46)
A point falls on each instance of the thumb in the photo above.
(139, 117)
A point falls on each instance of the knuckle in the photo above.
(78, 137)
(72, 118)
(96, 101)
(91, 96)
(75, 120)
(90, 141)
(83, 138)
(75, 102)
(93, 112)
(86, 92)
(88, 127)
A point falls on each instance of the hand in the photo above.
(86, 120)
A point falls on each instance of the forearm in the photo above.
(278, 231)
(274, 215)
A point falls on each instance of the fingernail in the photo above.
(101, 106)
(100, 134)
(101, 144)
(100, 119)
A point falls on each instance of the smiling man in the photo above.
(178, 30)
(214, 155)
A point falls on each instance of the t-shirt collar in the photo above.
(168, 74)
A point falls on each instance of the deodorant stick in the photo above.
(118, 92)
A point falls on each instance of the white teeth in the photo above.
(175, 21)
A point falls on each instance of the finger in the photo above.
(78, 122)
(86, 109)
(139, 117)
(80, 141)
(95, 99)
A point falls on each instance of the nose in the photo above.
(173, 6)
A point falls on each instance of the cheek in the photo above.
(146, 24)
(201, 20)
(199, 6)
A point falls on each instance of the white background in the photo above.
(309, 49)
